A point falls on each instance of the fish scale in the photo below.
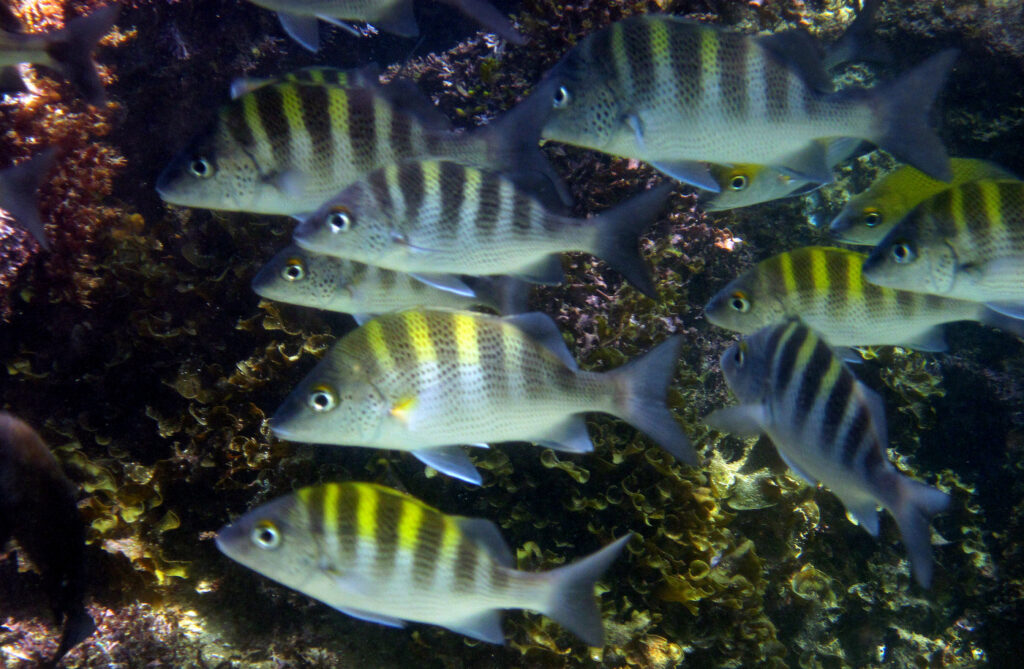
(384, 556)
(442, 217)
(965, 242)
(828, 427)
(826, 288)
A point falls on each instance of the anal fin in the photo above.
(689, 172)
(302, 29)
(485, 626)
(451, 460)
(569, 436)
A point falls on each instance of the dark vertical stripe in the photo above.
(975, 214)
(732, 74)
(429, 536)
(347, 512)
(499, 577)
(938, 213)
(410, 180)
(636, 39)
(270, 110)
(494, 350)
(776, 85)
(685, 59)
(873, 459)
(1011, 211)
(238, 127)
(316, 118)
(835, 407)
(315, 510)
(488, 202)
(521, 212)
(397, 342)
(379, 190)
(466, 558)
(838, 269)
(905, 301)
(362, 128)
(810, 382)
(390, 509)
(787, 357)
(387, 279)
(400, 135)
(854, 436)
(452, 183)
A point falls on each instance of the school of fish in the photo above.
(414, 227)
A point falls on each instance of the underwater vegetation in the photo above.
(138, 350)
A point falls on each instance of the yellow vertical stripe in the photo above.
(819, 271)
(419, 336)
(786, 272)
(366, 513)
(466, 342)
(374, 334)
(409, 525)
(709, 74)
(989, 192)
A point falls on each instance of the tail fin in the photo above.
(618, 232)
(914, 506)
(19, 189)
(505, 294)
(74, 51)
(643, 387)
(859, 42)
(514, 149)
(490, 18)
(78, 627)
(572, 603)
(902, 107)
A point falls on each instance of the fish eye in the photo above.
(322, 399)
(739, 302)
(265, 535)
(339, 219)
(562, 97)
(293, 270)
(902, 253)
(201, 168)
(738, 182)
(872, 217)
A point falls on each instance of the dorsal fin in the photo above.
(540, 328)
(485, 533)
(798, 50)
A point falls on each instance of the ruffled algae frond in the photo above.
(141, 354)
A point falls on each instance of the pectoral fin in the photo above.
(447, 282)
(302, 29)
(689, 172)
(452, 461)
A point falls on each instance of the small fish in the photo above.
(299, 17)
(285, 148)
(427, 380)
(297, 276)
(829, 428)
(679, 94)
(19, 192)
(966, 242)
(318, 75)
(825, 289)
(38, 507)
(869, 216)
(745, 185)
(432, 218)
(69, 51)
(385, 557)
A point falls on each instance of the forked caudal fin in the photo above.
(19, 192)
(913, 507)
(74, 52)
(618, 233)
(572, 603)
(642, 394)
(902, 107)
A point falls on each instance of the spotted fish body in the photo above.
(829, 428)
(966, 242)
(824, 287)
(422, 379)
(285, 148)
(671, 92)
(297, 276)
(384, 556)
(868, 217)
(441, 217)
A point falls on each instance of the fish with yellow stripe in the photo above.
(679, 94)
(286, 147)
(317, 75)
(966, 242)
(299, 17)
(436, 218)
(829, 428)
(297, 276)
(824, 287)
(428, 380)
(869, 216)
(386, 557)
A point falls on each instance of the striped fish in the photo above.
(297, 276)
(829, 428)
(744, 185)
(966, 242)
(426, 380)
(434, 218)
(383, 556)
(287, 147)
(672, 92)
(869, 216)
(299, 17)
(824, 288)
(68, 51)
(317, 75)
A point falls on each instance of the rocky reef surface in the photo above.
(140, 352)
